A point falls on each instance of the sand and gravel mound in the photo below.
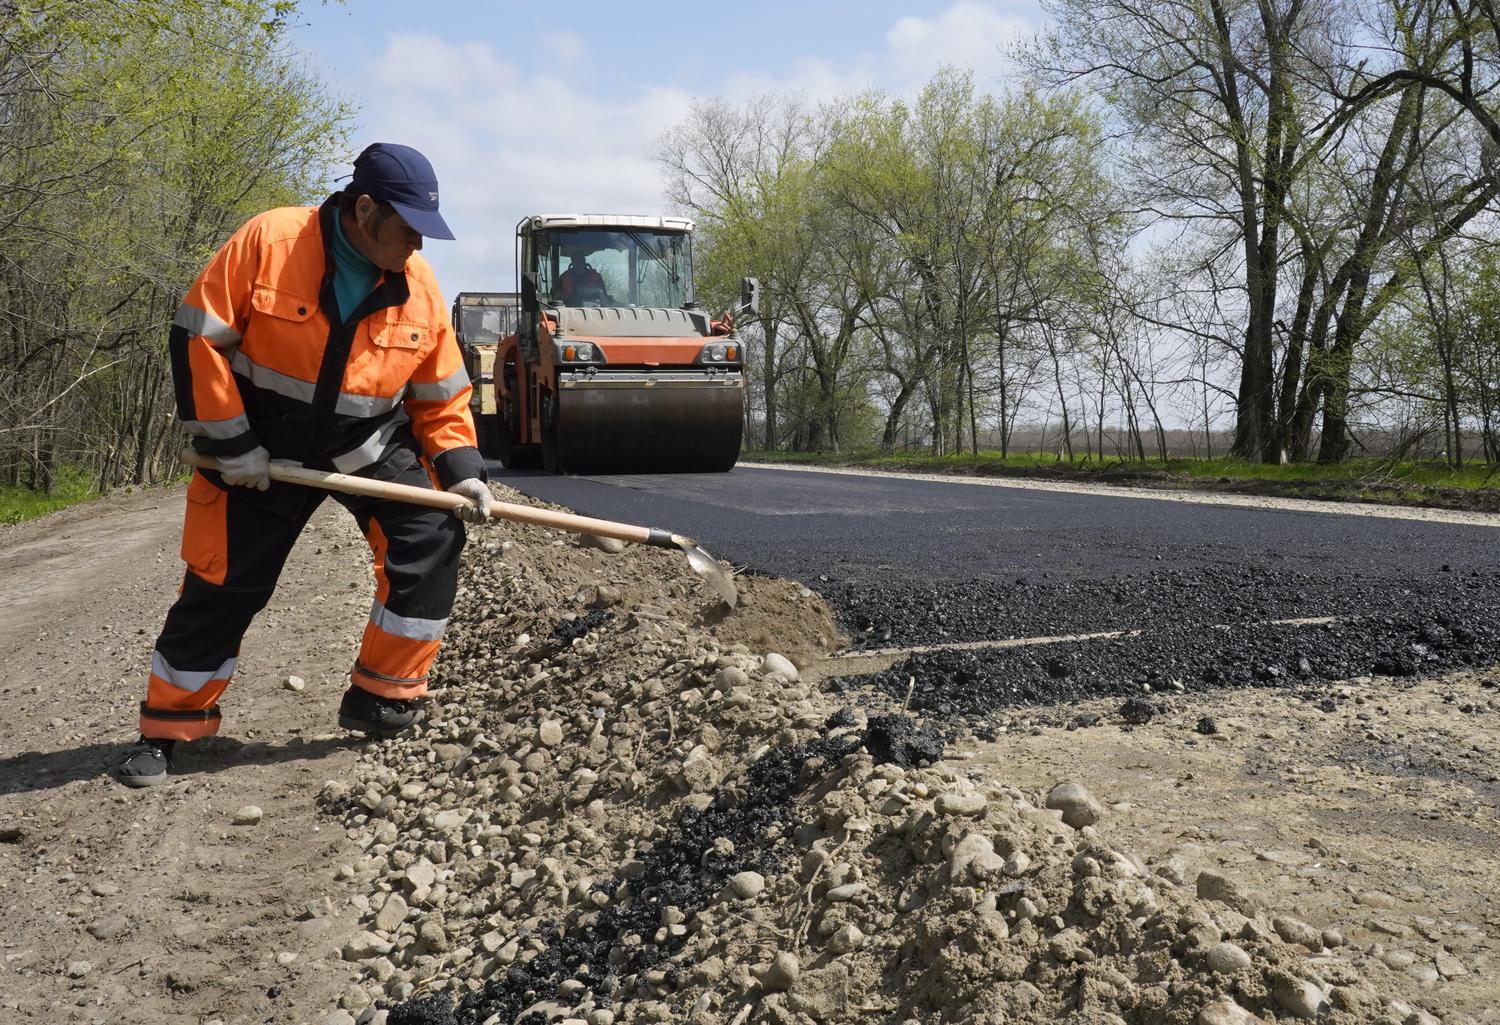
(628, 806)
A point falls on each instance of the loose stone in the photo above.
(961, 804)
(780, 665)
(782, 973)
(1079, 807)
(847, 892)
(745, 885)
(846, 939)
(1299, 997)
(392, 914)
(1226, 959)
(1296, 931)
(1227, 1012)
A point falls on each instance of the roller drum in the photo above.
(645, 422)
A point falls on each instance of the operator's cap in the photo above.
(402, 177)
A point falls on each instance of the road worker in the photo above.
(317, 335)
(581, 283)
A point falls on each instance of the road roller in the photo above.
(613, 367)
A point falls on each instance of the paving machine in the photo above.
(481, 320)
(613, 367)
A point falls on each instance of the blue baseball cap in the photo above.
(402, 177)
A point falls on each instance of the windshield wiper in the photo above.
(646, 246)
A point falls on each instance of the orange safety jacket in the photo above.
(260, 356)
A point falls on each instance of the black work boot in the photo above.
(145, 763)
(369, 713)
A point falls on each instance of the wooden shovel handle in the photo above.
(443, 500)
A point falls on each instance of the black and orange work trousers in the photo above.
(235, 546)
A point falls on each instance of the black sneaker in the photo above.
(369, 713)
(145, 763)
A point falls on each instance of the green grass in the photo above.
(73, 486)
(1362, 474)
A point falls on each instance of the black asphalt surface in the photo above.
(912, 562)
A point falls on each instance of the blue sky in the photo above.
(557, 107)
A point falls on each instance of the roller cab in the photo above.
(613, 368)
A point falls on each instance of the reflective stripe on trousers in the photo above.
(235, 548)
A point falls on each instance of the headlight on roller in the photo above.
(577, 352)
(719, 352)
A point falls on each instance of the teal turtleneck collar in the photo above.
(353, 275)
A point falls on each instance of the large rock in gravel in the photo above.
(780, 665)
(1294, 930)
(961, 804)
(731, 678)
(1226, 959)
(699, 773)
(364, 945)
(1227, 1012)
(110, 927)
(1079, 807)
(391, 914)
(1213, 886)
(249, 815)
(1299, 997)
(974, 856)
(782, 973)
(745, 885)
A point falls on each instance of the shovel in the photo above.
(720, 579)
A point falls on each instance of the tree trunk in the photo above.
(768, 382)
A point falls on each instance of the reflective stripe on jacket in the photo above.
(260, 357)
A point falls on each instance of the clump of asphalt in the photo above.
(883, 615)
(1137, 710)
(902, 740)
(433, 1010)
(568, 630)
(686, 870)
(1184, 659)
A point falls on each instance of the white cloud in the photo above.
(968, 34)
(506, 143)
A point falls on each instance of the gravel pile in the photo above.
(647, 816)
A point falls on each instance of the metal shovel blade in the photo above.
(713, 571)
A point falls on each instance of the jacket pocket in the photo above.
(205, 534)
(281, 304)
(401, 334)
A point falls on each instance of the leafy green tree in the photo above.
(913, 252)
(144, 134)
